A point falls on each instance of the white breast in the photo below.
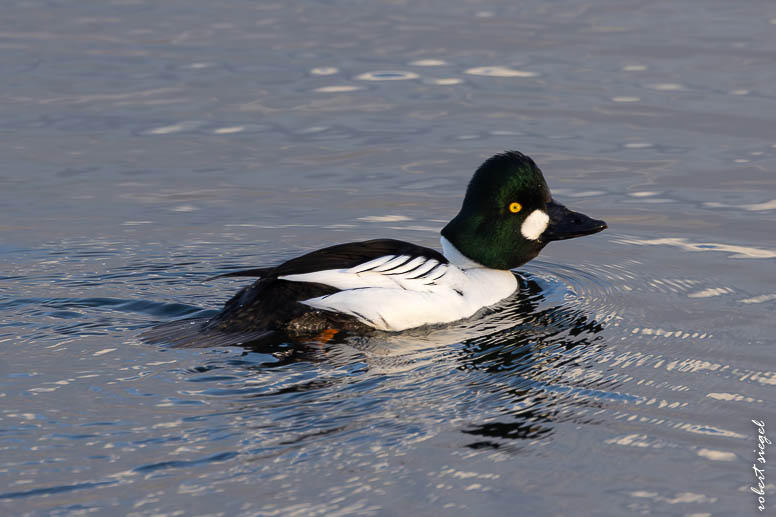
(396, 293)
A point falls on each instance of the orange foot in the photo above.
(326, 336)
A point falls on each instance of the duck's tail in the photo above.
(260, 272)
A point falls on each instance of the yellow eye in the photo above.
(515, 207)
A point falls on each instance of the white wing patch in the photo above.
(390, 272)
(373, 264)
(534, 225)
(397, 292)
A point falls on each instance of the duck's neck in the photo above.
(452, 254)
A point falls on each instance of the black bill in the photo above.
(565, 224)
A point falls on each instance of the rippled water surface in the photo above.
(149, 145)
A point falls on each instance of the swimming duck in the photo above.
(508, 216)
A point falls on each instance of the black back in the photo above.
(341, 256)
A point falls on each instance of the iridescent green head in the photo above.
(508, 214)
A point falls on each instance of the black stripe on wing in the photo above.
(342, 256)
(351, 254)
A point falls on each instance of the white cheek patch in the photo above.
(534, 225)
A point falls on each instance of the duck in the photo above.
(506, 218)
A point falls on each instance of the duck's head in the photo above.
(508, 214)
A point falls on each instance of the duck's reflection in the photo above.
(527, 363)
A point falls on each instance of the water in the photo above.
(147, 146)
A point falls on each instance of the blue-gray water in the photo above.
(148, 145)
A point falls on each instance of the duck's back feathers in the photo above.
(352, 254)
(340, 256)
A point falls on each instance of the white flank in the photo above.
(396, 293)
(534, 225)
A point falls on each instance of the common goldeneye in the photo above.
(507, 217)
